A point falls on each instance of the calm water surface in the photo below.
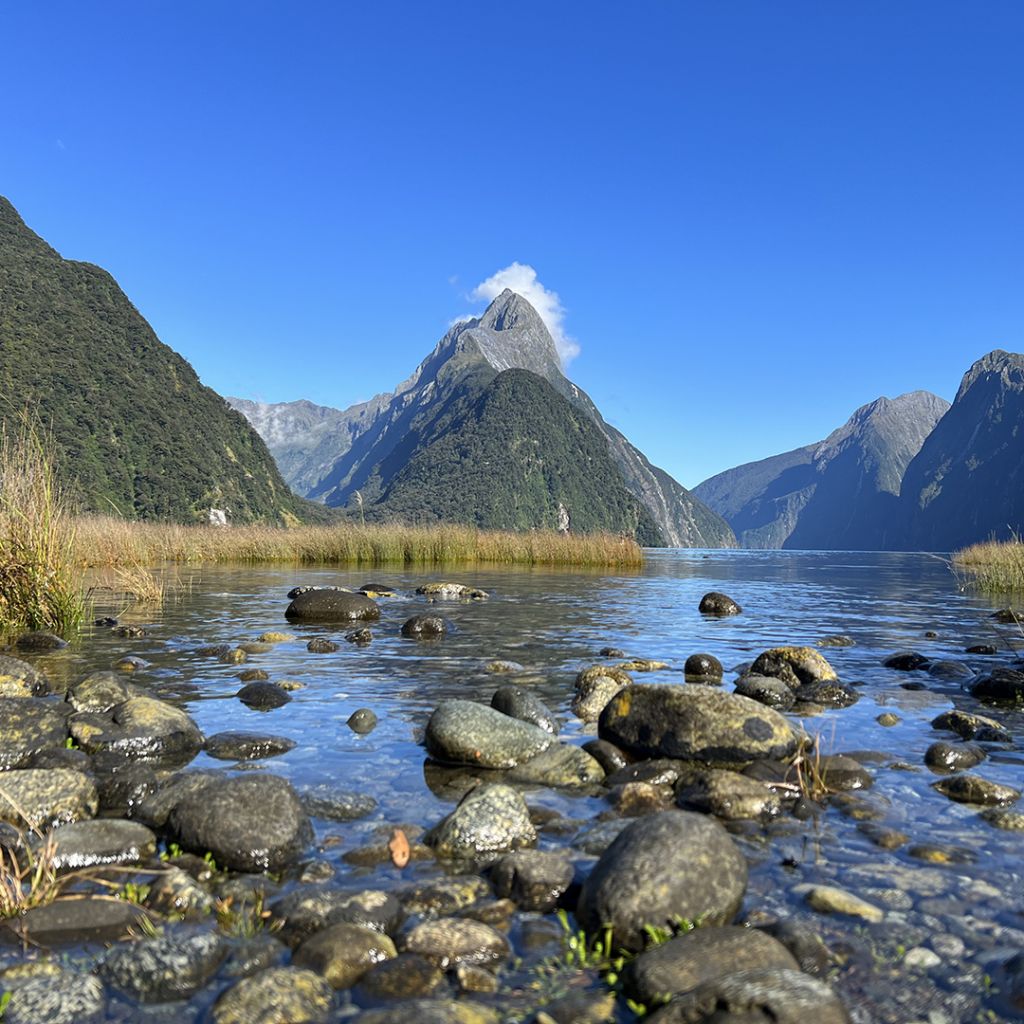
(967, 912)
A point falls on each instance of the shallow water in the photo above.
(969, 912)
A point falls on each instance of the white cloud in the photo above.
(522, 279)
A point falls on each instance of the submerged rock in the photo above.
(252, 823)
(489, 819)
(331, 606)
(247, 746)
(714, 603)
(451, 940)
(262, 696)
(321, 645)
(464, 732)
(973, 789)
(280, 995)
(972, 727)
(1001, 684)
(728, 795)
(362, 721)
(343, 953)
(695, 723)
(535, 879)
(60, 996)
(687, 961)
(406, 976)
(424, 627)
(452, 590)
(661, 869)
(778, 996)
(907, 661)
(163, 969)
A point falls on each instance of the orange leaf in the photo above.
(399, 847)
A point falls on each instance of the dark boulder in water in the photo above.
(331, 606)
(714, 603)
(424, 627)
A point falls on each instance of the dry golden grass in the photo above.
(40, 586)
(996, 566)
(105, 541)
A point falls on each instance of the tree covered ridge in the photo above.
(134, 430)
(507, 456)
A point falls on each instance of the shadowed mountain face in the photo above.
(375, 441)
(967, 482)
(839, 494)
(135, 431)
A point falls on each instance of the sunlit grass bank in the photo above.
(110, 542)
(996, 566)
(40, 585)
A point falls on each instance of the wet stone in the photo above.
(362, 721)
(280, 995)
(100, 692)
(634, 799)
(27, 728)
(681, 964)
(430, 1011)
(444, 896)
(321, 645)
(155, 809)
(143, 729)
(464, 732)
(837, 640)
(1001, 684)
(561, 765)
(1009, 821)
(828, 899)
(343, 953)
(84, 844)
(452, 940)
(61, 997)
(972, 727)
(704, 667)
(607, 755)
(332, 606)
(906, 661)
(361, 637)
(694, 723)
(263, 696)
(662, 867)
(771, 692)
(312, 908)
(275, 637)
(46, 797)
(728, 795)
(489, 819)
(888, 719)
(779, 996)
(255, 954)
(331, 803)
(424, 627)
(163, 969)
(953, 757)
(38, 641)
(91, 919)
(254, 675)
(406, 976)
(593, 695)
(535, 879)
(973, 789)
(19, 679)
(842, 774)
(828, 694)
(715, 603)
(882, 836)
(517, 702)
(795, 666)
(986, 649)
(246, 746)
(447, 591)
(1008, 616)
(252, 823)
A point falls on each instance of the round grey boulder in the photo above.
(453, 940)
(252, 823)
(681, 964)
(517, 702)
(694, 723)
(163, 969)
(464, 732)
(83, 844)
(424, 627)
(704, 667)
(756, 997)
(661, 869)
(332, 606)
(490, 819)
(715, 603)
(767, 690)
(100, 692)
(795, 666)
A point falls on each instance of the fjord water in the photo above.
(960, 904)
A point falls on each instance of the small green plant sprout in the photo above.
(5, 999)
(70, 744)
(208, 857)
(134, 892)
(245, 920)
(171, 851)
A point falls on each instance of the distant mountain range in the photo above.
(135, 431)
(910, 473)
(489, 431)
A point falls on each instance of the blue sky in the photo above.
(756, 216)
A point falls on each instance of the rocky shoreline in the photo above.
(214, 894)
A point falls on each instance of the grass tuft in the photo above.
(40, 586)
(993, 566)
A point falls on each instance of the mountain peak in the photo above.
(511, 335)
(509, 310)
(1008, 366)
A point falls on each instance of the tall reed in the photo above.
(105, 541)
(995, 566)
(40, 585)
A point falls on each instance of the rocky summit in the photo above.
(488, 431)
